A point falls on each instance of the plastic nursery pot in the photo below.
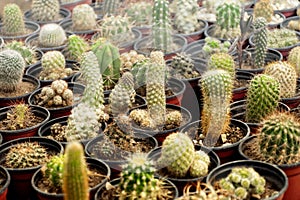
(145, 46)
(285, 23)
(197, 35)
(1, 139)
(168, 184)
(20, 187)
(226, 153)
(178, 88)
(7, 101)
(38, 54)
(272, 174)
(160, 135)
(32, 27)
(289, 12)
(45, 131)
(64, 14)
(70, 6)
(5, 181)
(180, 183)
(209, 32)
(77, 89)
(36, 69)
(91, 162)
(239, 93)
(238, 110)
(116, 165)
(27, 132)
(292, 172)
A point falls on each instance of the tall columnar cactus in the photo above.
(84, 18)
(222, 61)
(294, 58)
(12, 67)
(27, 52)
(76, 46)
(263, 8)
(139, 13)
(110, 7)
(186, 16)
(53, 170)
(52, 35)
(75, 178)
(286, 75)
(262, 98)
(260, 41)
(155, 88)
(161, 27)
(13, 23)
(45, 10)
(279, 138)
(228, 15)
(216, 86)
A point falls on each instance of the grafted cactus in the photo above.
(83, 18)
(260, 41)
(52, 35)
(222, 61)
(13, 23)
(76, 46)
(294, 58)
(110, 7)
(263, 8)
(45, 10)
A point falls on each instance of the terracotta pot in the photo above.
(271, 173)
(27, 132)
(5, 183)
(70, 6)
(292, 172)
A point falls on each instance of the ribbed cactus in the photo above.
(76, 46)
(294, 58)
(110, 7)
(183, 66)
(228, 15)
(53, 170)
(13, 23)
(52, 35)
(27, 52)
(286, 75)
(155, 88)
(222, 61)
(262, 97)
(139, 13)
(279, 138)
(260, 41)
(75, 179)
(139, 70)
(12, 67)
(84, 18)
(45, 10)
(263, 8)
(161, 27)
(216, 86)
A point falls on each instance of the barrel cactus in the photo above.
(13, 23)
(83, 18)
(12, 67)
(45, 10)
(263, 8)
(294, 58)
(222, 61)
(52, 35)
(76, 46)
(260, 41)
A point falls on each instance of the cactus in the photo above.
(199, 166)
(280, 38)
(28, 53)
(216, 86)
(129, 59)
(13, 23)
(279, 138)
(263, 8)
(26, 155)
(52, 35)
(45, 10)
(75, 177)
(213, 45)
(262, 97)
(139, 70)
(286, 75)
(222, 61)
(161, 27)
(12, 67)
(141, 117)
(294, 58)
(110, 7)
(183, 66)
(76, 46)
(186, 16)
(139, 13)
(173, 119)
(83, 18)
(260, 41)
(53, 170)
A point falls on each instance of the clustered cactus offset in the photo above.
(53, 170)
(213, 45)
(182, 66)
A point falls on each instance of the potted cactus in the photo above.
(71, 4)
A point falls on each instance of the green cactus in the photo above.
(161, 27)
(12, 67)
(109, 61)
(262, 97)
(139, 70)
(75, 176)
(222, 61)
(199, 166)
(294, 58)
(110, 7)
(45, 10)
(13, 23)
(286, 75)
(139, 13)
(260, 41)
(279, 138)
(213, 45)
(216, 86)
(26, 155)
(84, 18)
(280, 38)
(183, 66)
(263, 8)
(76, 46)
(53, 170)
(52, 35)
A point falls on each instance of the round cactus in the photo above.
(199, 167)
(28, 53)
(294, 58)
(12, 67)
(228, 15)
(76, 46)
(53, 170)
(83, 18)
(222, 61)
(45, 10)
(263, 8)
(52, 35)
(260, 41)
(13, 23)
(183, 66)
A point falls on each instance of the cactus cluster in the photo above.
(139, 13)
(13, 23)
(283, 37)
(222, 61)
(52, 35)
(260, 41)
(45, 10)
(12, 67)
(294, 59)
(216, 87)
(53, 170)
(129, 59)
(76, 46)
(263, 8)
(58, 132)
(83, 18)
(26, 155)
(286, 75)
(213, 45)
(111, 7)
(262, 97)
(182, 66)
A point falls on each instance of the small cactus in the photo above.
(213, 45)
(13, 23)
(280, 38)
(222, 61)
(260, 41)
(199, 166)
(76, 46)
(12, 67)
(53, 170)
(183, 66)
(45, 10)
(52, 35)
(83, 18)
(294, 58)
(173, 119)
(129, 59)
(139, 13)
(139, 70)
(263, 8)
(110, 7)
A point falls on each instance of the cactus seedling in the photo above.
(13, 23)
(52, 35)
(83, 18)
(45, 10)
(53, 170)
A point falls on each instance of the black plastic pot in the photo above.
(197, 35)
(271, 173)
(209, 32)
(5, 183)
(1, 42)
(98, 8)
(240, 92)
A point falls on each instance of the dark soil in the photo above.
(22, 89)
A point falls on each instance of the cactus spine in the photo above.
(263, 8)
(76, 47)
(260, 41)
(28, 53)
(83, 18)
(75, 179)
(222, 61)
(294, 58)
(216, 86)
(45, 10)
(286, 75)
(12, 67)
(13, 23)
(52, 35)
(262, 97)
(161, 28)
(110, 7)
